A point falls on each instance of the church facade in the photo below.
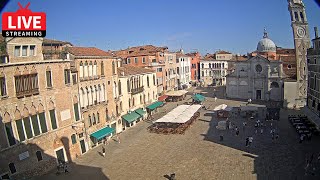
(259, 77)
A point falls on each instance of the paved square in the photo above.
(198, 154)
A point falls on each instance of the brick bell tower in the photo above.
(301, 37)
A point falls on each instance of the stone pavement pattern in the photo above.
(198, 154)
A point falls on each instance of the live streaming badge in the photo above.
(24, 23)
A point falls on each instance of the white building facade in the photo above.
(213, 72)
(183, 64)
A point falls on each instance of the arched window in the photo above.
(39, 155)
(113, 68)
(98, 117)
(154, 80)
(119, 87)
(129, 102)
(301, 16)
(89, 120)
(210, 73)
(102, 68)
(296, 16)
(202, 73)
(128, 85)
(202, 65)
(133, 101)
(141, 100)
(95, 68)
(94, 119)
(90, 69)
(81, 70)
(85, 74)
(121, 106)
(209, 65)
(117, 109)
(148, 81)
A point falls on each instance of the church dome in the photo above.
(266, 44)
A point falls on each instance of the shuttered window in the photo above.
(43, 123)
(20, 130)
(35, 125)
(73, 138)
(27, 127)
(9, 133)
(76, 111)
(53, 119)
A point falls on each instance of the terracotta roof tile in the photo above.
(133, 70)
(87, 51)
(283, 51)
(223, 52)
(147, 50)
(53, 41)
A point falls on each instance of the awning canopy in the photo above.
(140, 111)
(198, 97)
(102, 133)
(130, 117)
(155, 105)
(177, 93)
(162, 98)
(223, 107)
(180, 114)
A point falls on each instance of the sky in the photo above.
(195, 25)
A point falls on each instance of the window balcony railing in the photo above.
(27, 93)
(137, 90)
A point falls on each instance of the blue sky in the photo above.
(203, 25)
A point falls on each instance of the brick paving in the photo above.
(198, 154)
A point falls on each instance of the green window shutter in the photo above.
(76, 111)
(53, 119)
(9, 132)
(27, 127)
(43, 122)
(20, 130)
(35, 125)
(73, 138)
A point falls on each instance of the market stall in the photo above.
(223, 110)
(176, 95)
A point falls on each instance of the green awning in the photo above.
(198, 97)
(140, 111)
(102, 133)
(130, 117)
(155, 105)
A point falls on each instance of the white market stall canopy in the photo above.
(180, 114)
(176, 93)
(223, 107)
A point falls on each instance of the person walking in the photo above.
(261, 131)
(118, 136)
(250, 140)
(103, 151)
(215, 99)
(247, 141)
(65, 168)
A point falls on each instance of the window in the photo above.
(24, 50)
(39, 155)
(12, 168)
(73, 139)
(21, 135)
(148, 81)
(136, 60)
(144, 60)
(202, 73)
(26, 85)
(154, 60)
(154, 80)
(32, 51)
(67, 76)
(98, 115)
(76, 111)
(159, 69)
(17, 51)
(296, 16)
(178, 70)
(81, 135)
(43, 123)
(119, 87)
(74, 78)
(53, 119)
(202, 65)
(128, 61)
(35, 125)
(301, 16)
(313, 103)
(49, 80)
(258, 68)
(113, 68)
(128, 85)
(289, 66)
(3, 89)
(89, 120)
(9, 132)
(27, 127)
(102, 68)
(209, 65)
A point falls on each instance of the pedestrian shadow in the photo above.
(100, 153)
(167, 176)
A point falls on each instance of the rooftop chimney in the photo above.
(316, 32)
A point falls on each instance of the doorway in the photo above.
(83, 146)
(60, 155)
(258, 94)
